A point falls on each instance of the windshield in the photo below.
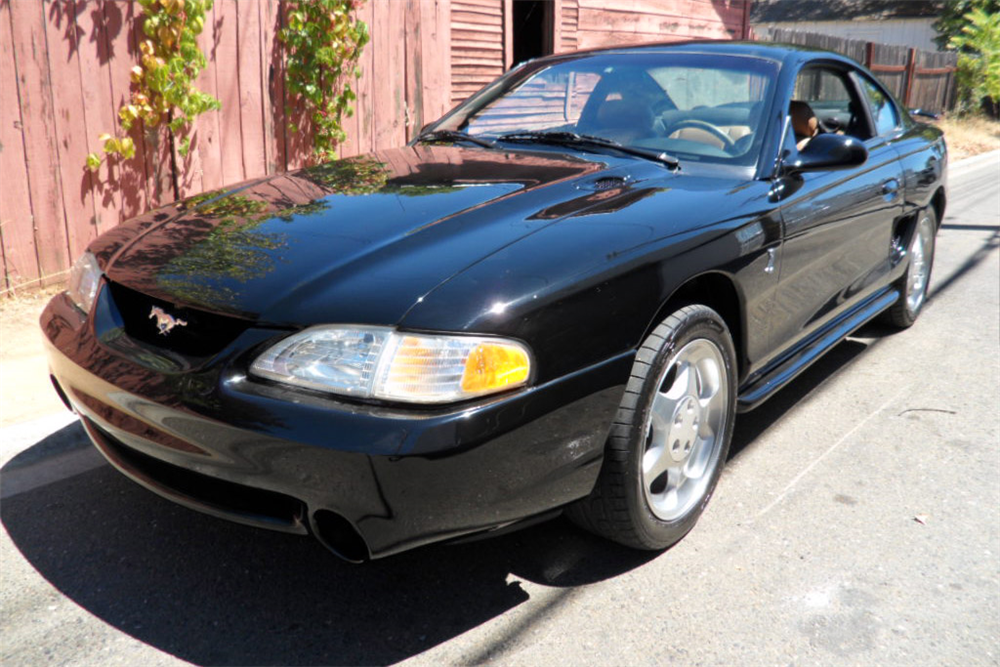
(698, 107)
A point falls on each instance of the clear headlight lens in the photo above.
(378, 362)
(84, 278)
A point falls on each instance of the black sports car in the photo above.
(556, 298)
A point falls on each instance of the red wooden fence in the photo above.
(64, 71)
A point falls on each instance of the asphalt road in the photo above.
(857, 522)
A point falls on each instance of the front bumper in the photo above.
(209, 438)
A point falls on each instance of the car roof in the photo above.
(784, 53)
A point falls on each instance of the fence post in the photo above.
(869, 54)
(911, 68)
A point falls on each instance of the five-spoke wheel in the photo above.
(685, 425)
(671, 435)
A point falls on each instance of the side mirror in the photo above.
(924, 113)
(827, 152)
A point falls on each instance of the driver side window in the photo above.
(826, 95)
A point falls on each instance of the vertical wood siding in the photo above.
(64, 72)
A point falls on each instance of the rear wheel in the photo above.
(913, 285)
(670, 437)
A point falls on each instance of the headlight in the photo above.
(378, 362)
(84, 278)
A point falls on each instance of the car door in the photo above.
(837, 225)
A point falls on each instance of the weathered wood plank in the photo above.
(99, 111)
(413, 75)
(478, 45)
(207, 131)
(471, 58)
(364, 112)
(17, 238)
(388, 88)
(251, 93)
(41, 157)
(396, 77)
(227, 74)
(435, 18)
(381, 112)
(487, 5)
(477, 38)
(70, 126)
(461, 24)
(272, 85)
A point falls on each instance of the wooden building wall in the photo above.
(602, 23)
(64, 72)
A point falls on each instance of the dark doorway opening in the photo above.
(531, 24)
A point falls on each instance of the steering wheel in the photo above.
(727, 141)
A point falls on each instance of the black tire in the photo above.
(692, 349)
(913, 284)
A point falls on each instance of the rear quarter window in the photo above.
(882, 109)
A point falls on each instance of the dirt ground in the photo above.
(970, 136)
(25, 390)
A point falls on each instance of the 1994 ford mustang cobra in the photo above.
(555, 299)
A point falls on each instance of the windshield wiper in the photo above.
(574, 139)
(454, 135)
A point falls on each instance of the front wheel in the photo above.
(670, 437)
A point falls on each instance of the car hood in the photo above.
(355, 240)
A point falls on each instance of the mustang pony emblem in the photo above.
(164, 321)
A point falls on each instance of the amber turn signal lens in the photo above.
(494, 366)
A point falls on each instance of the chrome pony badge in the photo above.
(164, 321)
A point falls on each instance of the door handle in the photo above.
(890, 188)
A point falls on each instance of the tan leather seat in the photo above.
(624, 121)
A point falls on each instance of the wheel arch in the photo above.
(938, 201)
(719, 292)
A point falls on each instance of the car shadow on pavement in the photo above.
(216, 593)
(212, 592)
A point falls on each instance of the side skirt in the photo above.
(783, 371)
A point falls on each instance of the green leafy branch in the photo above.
(979, 57)
(163, 84)
(323, 41)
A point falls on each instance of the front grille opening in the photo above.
(203, 333)
(255, 504)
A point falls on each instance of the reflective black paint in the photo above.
(520, 242)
